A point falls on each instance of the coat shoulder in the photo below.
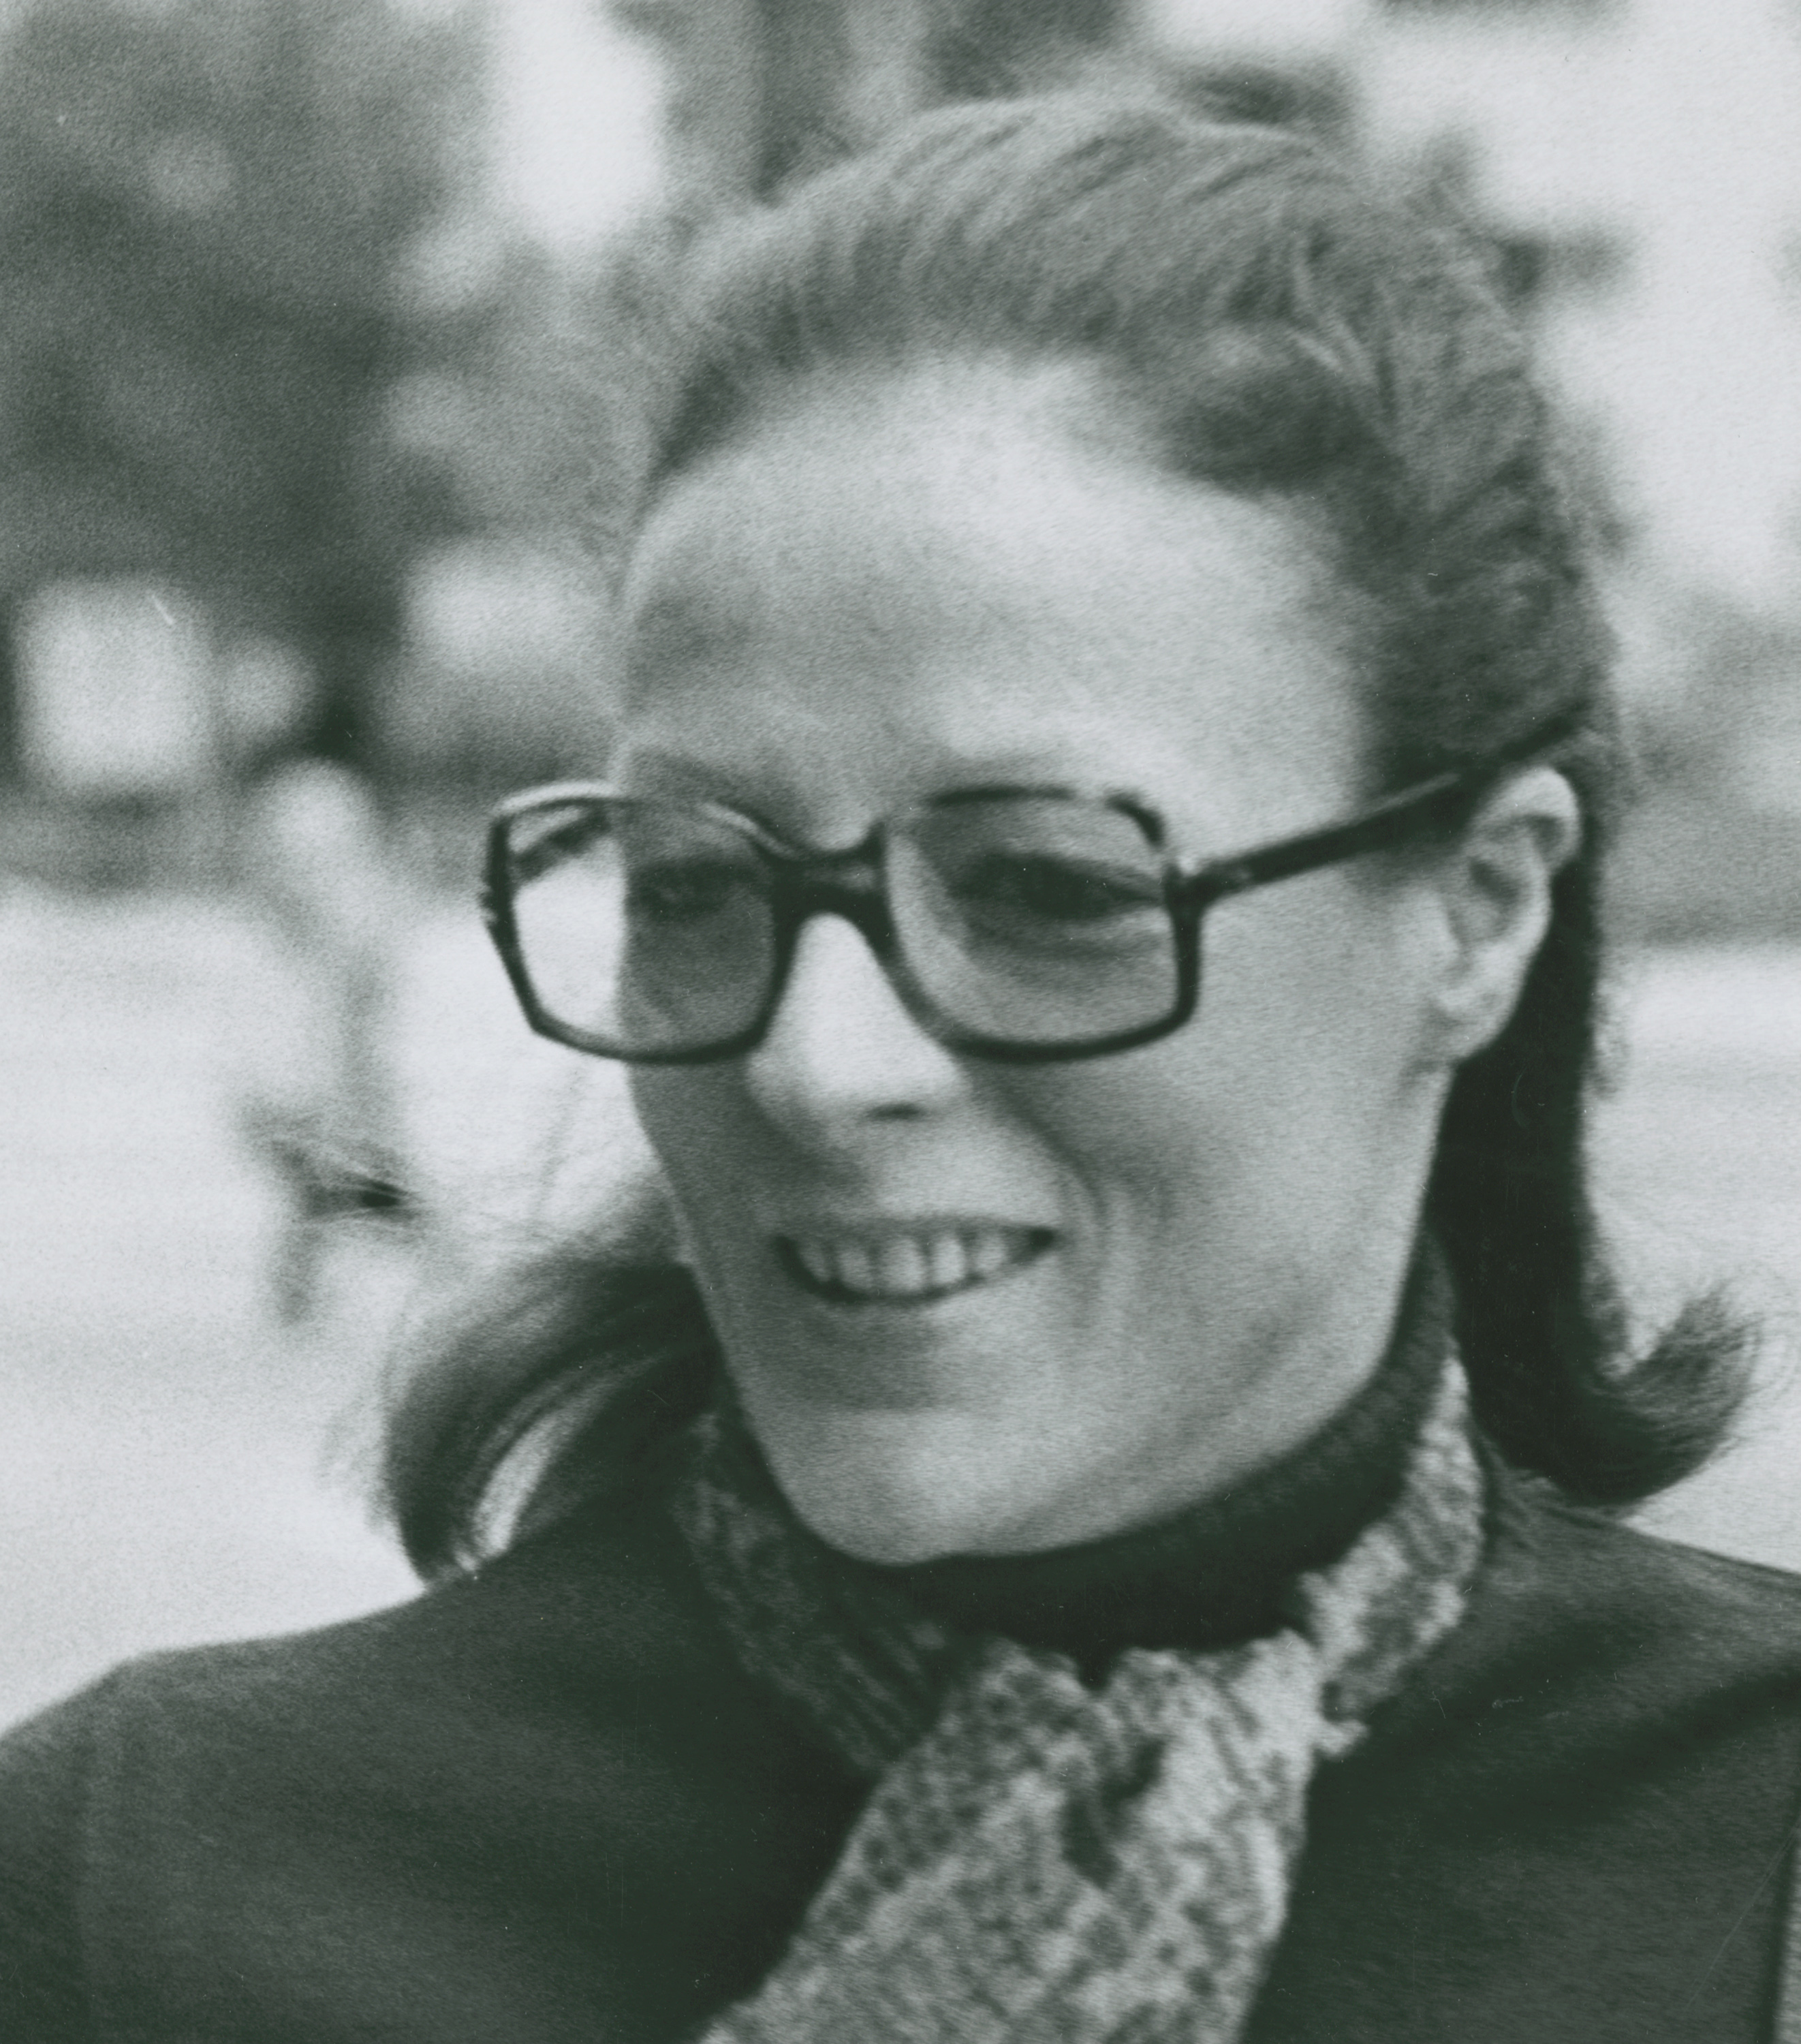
(1576, 1824)
(1571, 1597)
(540, 1801)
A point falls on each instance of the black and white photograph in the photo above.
(900, 1021)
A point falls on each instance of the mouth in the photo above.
(909, 1266)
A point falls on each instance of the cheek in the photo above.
(688, 1126)
(1297, 1068)
(1316, 994)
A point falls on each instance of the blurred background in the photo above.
(317, 371)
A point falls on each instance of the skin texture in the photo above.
(899, 586)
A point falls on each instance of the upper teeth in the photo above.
(908, 1266)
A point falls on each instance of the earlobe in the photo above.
(1497, 902)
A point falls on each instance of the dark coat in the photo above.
(544, 1803)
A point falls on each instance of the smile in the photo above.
(911, 1267)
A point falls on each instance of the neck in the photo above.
(1219, 1570)
(1310, 1359)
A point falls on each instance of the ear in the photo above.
(1495, 893)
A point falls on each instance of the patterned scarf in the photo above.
(1041, 1861)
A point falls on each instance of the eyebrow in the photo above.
(1014, 774)
(675, 777)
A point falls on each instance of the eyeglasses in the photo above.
(1017, 924)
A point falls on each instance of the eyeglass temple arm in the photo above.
(1388, 823)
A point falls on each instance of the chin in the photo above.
(888, 1509)
(888, 1531)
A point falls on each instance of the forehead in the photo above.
(894, 584)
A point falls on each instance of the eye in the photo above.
(685, 890)
(1070, 892)
(1021, 892)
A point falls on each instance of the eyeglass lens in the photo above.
(1029, 920)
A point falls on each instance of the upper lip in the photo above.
(889, 1227)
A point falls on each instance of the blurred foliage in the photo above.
(1713, 691)
(207, 208)
(509, 666)
(1732, 669)
(533, 422)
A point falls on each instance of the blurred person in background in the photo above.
(1081, 1502)
(318, 1105)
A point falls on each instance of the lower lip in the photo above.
(846, 1353)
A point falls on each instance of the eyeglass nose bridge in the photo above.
(841, 883)
(851, 884)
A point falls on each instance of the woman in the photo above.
(1097, 890)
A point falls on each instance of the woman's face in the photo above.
(972, 1307)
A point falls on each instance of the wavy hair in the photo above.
(1274, 326)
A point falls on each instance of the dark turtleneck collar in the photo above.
(1218, 1571)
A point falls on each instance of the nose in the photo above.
(842, 1050)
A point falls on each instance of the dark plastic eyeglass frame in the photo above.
(850, 883)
